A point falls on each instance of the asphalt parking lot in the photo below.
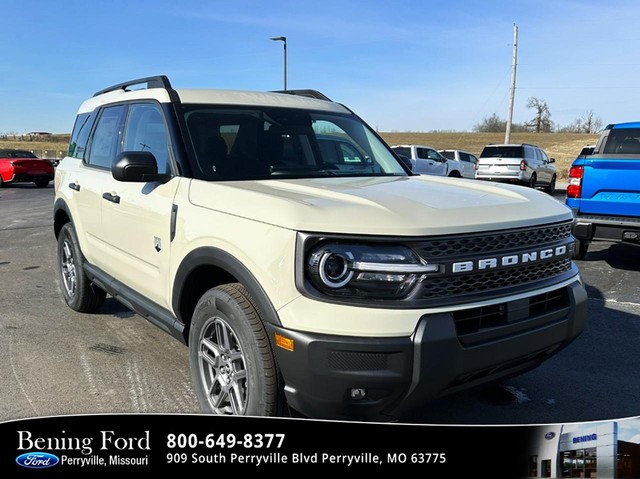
(55, 361)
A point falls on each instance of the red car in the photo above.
(20, 166)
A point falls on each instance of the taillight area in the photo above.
(574, 188)
(523, 165)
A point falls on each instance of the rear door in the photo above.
(430, 162)
(87, 181)
(611, 181)
(541, 166)
(468, 163)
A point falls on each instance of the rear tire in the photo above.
(552, 186)
(77, 290)
(232, 365)
(581, 249)
(532, 181)
(41, 183)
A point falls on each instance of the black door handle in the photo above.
(110, 197)
(74, 186)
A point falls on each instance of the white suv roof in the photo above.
(121, 92)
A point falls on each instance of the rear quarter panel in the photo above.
(610, 185)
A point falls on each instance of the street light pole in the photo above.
(284, 42)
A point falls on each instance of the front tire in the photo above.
(77, 290)
(233, 367)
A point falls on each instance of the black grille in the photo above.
(491, 280)
(474, 320)
(517, 273)
(488, 243)
(351, 361)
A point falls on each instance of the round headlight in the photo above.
(381, 271)
(332, 268)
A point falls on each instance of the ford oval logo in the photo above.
(550, 435)
(37, 460)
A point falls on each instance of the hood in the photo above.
(407, 206)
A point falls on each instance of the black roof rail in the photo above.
(158, 81)
(308, 93)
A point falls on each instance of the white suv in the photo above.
(518, 163)
(324, 278)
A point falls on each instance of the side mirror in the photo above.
(136, 167)
(552, 160)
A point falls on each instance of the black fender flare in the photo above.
(211, 256)
(60, 204)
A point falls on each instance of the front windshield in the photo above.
(276, 143)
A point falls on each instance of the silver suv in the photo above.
(518, 163)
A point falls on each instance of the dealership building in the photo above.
(583, 450)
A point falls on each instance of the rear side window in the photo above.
(80, 135)
(403, 150)
(106, 137)
(530, 153)
(502, 152)
(623, 141)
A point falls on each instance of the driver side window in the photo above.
(146, 131)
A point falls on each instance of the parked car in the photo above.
(604, 189)
(347, 291)
(22, 166)
(468, 162)
(427, 160)
(518, 163)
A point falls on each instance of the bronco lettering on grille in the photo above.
(509, 260)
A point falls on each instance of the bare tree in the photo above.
(491, 124)
(587, 123)
(541, 122)
(495, 124)
(590, 123)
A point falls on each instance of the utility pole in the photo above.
(512, 93)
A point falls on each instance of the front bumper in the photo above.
(442, 356)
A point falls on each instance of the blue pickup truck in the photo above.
(604, 189)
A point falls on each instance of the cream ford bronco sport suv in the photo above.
(337, 286)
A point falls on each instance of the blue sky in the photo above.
(403, 66)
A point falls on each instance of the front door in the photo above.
(137, 216)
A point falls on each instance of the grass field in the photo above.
(564, 147)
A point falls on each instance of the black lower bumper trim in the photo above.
(383, 379)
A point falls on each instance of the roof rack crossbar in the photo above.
(308, 93)
(158, 81)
